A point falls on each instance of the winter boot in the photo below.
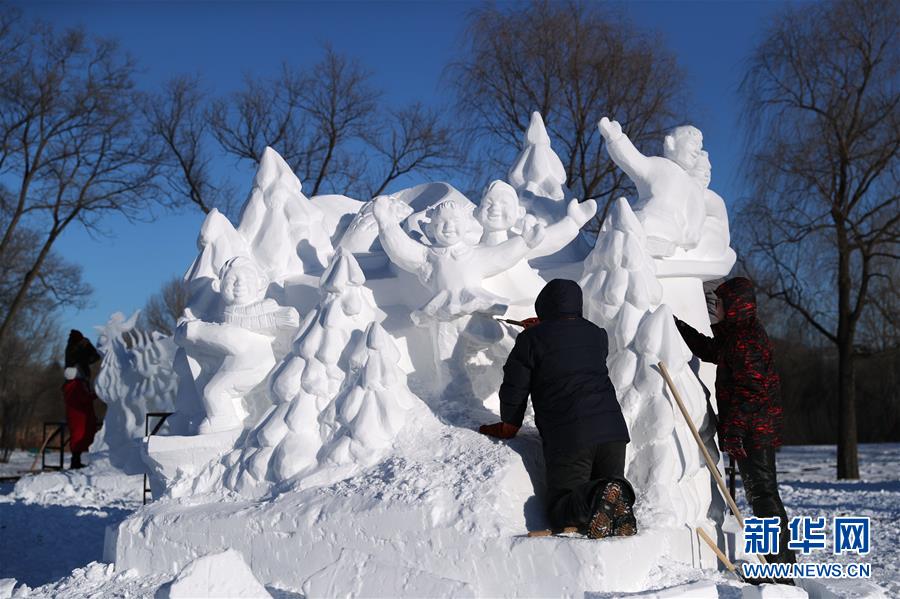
(603, 522)
(624, 523)
(76, 461)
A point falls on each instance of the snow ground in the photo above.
(52, 540)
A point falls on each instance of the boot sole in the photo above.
(601, 525)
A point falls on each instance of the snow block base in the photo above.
(441, 519)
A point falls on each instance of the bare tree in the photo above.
(328, 124)
(309, 117)
(75, 150)
(575, 63)
(165, 307)
(178, 117)
(413, 139)
(822, 231)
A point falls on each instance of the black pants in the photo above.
(573, 478)
(761, 488)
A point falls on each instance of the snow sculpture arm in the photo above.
(705, 348)
(516, 382)
(493, 260)
(557, 235)
(622, 151)
(262, 316)
(409, 255)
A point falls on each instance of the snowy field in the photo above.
(52, 541)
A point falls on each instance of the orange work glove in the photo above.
(501, 430)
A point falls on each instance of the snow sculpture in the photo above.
(538, 175)
(715, 236)
(450, 268)
(288, 439)
(371, 409)
(242, 341)
(670, 204)
(362, 234)
(285, 231)
(135, 377)
(623, 295)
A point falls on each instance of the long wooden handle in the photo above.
(722, 557)
(713, 468)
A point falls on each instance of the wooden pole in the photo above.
(722, 557)
(714, 470)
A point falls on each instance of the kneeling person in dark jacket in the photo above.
(561, 363)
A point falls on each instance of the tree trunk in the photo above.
(847, 459)
(30, 276)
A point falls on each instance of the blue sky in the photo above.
(405, 44)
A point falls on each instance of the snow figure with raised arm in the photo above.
(450, 268)
(623, 295)
(502, 217)
(135, 377)
(242, 341)
(670, 203)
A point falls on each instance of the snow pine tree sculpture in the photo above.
(289, 437)
(370, 410)
(623, 295)
(538, 175)
(135, 377)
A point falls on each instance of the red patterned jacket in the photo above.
(748, 389)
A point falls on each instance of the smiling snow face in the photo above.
(242, 282)
(499, 209)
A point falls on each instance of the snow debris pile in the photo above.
(222, 574)
(623, 296)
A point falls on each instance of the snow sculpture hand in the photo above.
(610, 130)
(287, 318)
(386, 210)
(533, 236)
(581, 212)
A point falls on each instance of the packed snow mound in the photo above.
(136, 377)
(622, 295)
(285, 231)
(222, 574)
(538, 175)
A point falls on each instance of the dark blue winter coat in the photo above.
(561, 362)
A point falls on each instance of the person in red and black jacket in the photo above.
(748, 392)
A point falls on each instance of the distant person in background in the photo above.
(81, 354)
(80, 416)
(78, 395)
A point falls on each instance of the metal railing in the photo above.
(148, 432)
(56, 429)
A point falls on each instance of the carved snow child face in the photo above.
(499, 209)
(449, 223)
(241, 282)
(683, 146)
(702, 170)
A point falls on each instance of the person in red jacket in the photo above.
(748, 392)
(79, 400)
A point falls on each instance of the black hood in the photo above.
(738, 298)
(559, 298)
